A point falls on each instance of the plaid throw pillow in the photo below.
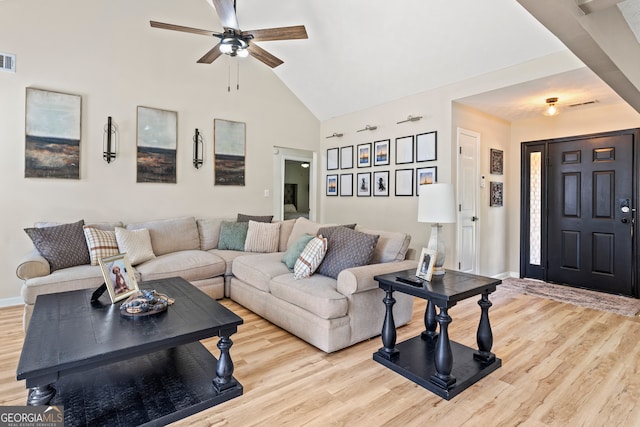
(101, 243)
(310, 258)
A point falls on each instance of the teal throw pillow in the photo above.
(292, 254)
(233, 235)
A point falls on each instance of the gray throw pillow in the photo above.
(232, 235)
(289, 258)
(256, 218)
(61, 245)
(346, 248)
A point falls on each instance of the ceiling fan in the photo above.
(235, 42)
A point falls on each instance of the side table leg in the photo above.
(388, 350)
(40, 395)
(430, 323)
(484, 335)
(443, 357)
(224, 369)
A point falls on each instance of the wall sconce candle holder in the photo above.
(109, 141)
(198, 150)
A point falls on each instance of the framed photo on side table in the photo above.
(425, 264)
(118, 276)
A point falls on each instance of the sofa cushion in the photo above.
(229, 256)
(257, 270)
(190, 265)
(61, 245)
(256, 218)
(391, 246)
(233, 235)
(262, 237)
(136, 244)
(291, 256)
(286, 227)
(171, 235)
(316, 294)
(101, 243)
(209, 232)
(347, 248)
(310, 258)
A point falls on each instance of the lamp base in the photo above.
(436, 243)
(438, 271)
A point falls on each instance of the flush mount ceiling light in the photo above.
(551, 110)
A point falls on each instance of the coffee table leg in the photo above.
(443, 358)
(40, 395)
(430, 323)
(224, 369)
(388, 350)
(484, 335)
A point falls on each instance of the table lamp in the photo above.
(436, 204)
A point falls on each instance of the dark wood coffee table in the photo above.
(110, 370)
(431, 359)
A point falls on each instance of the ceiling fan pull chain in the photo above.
(238, 77)
(229, 77)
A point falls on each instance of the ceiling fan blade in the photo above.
(227, 13)
(281, 33)
(210, 56)
(264, 56)
(156, 24)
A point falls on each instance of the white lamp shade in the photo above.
(436, 204)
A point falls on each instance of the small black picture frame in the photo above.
(404, 150)
(346, 184)
(404, 182)
(363, 184)
(346, 157)
(428, 175)
(333, 157)
(381, 155)
(363, 155)
(380, 183)
(427, 147)
(497, 161)
(332, 185)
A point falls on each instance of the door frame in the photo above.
(476, 198)
(280, 155)
(543, 145)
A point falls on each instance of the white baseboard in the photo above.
(506, 275)
(9, 302)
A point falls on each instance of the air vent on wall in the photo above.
(7, 62)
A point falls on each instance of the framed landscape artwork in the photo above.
(426, 176)
(52, 134)
(364, 184)
(381, 183)
(157, 145)
(427, 147)
(229, 152)
(381, 153)
(364, 155)
(332, 185)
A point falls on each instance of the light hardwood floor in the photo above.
(562, 366)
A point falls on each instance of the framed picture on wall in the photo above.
(229, 151)
(380, 183)
(346, 157)
(426, 176)
(496, 194)
(364, 184)
(404, 150)
(346, 184)
(364, 155)
(404, 182)
(332, 159)
(332, 185)
(381, 153)
(496, 166)
(427, 147)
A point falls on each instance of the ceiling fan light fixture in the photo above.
(242, 53)
(551, 109)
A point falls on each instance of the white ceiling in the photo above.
(362, 53)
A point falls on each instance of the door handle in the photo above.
(474, 218)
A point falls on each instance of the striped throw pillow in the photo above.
(101, 243)
(310, 258)
(262, 237)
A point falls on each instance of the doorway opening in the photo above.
(294, 183)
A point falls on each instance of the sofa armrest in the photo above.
(360, 279)
(33, 265)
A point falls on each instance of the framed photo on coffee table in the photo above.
(118, 276)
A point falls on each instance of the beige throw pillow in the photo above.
(262, 237)
(101, 243)
(136, 244)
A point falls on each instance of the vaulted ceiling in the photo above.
(362, 53)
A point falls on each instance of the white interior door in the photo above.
(468, 146)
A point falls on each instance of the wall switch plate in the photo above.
(266, 193)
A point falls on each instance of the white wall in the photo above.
(106, 52)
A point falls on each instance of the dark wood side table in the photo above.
(431, 359)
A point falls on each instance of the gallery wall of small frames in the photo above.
(366, 169)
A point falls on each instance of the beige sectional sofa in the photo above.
(329, 313)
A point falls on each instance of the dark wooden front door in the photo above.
(591, 204)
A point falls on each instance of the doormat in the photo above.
(618, 304)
